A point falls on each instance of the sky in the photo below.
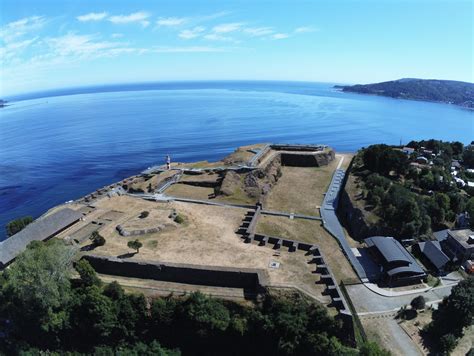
(67, 43)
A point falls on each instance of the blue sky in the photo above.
(53, 44)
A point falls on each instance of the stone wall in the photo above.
(250, 279)
(307, 160)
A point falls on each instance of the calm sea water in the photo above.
(61, 145)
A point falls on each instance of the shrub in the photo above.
(418, 303)
(179, 219)
(97, 239)
(135, 244)
(17, 225)
(87, 273)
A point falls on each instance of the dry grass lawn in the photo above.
(381, 330)
(207, 238)
(301, 189)
(311, 232)
(190, 191)
(205, 193)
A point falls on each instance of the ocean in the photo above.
(59, 145)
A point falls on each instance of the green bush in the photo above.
(418, 303)
(97, 239)
(17, 225)
(87, 274)
(179, 219)
(135, 244)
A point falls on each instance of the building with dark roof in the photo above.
(460, 244)
(441, 235)
(39, 230)
(433, 256)
(397, 264)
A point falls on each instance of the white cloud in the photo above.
(213, 16)
(187, 49)
(171, 21)
(116, 35)
(92, 16)
(80, 46)
(13, 30)
(217, 37)
(12, 50)
(280, 36)
(305, 29)
(227, 27)
(258, 31)
(139, 17)
(192, 33)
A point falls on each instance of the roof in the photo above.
(390, 248)
(441, 235)
(432, 250)
(38, 230)
(393, 251)
(465, 237)
(405, 269)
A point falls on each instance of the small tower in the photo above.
(168, 162)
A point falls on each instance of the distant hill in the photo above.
(443, 91)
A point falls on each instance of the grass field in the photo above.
(301, 189)
(311, 232)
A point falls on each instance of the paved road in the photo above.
(365, 300)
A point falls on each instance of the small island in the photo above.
(442, 91)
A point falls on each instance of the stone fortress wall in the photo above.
(252, 280)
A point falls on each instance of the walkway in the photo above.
(333, 226)
(390, 293)
(365, 300)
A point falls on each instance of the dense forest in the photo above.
(412, 199)
(445, 91)
(454, 314)
(43, 308)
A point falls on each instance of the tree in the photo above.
(138, 349)
(87, 274)
(468, 156)
(97, 239)
(470, 210)
(114, 291)
(383, 159)
(205, 315)
(135, 244)
(37, 289)
(456, 311)
(93, 315)
(418, 303)
(447, 343)
(17, 225)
